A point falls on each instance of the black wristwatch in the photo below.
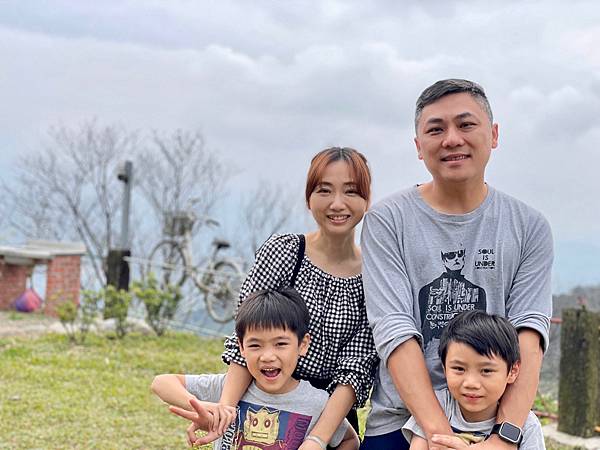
(508, 432)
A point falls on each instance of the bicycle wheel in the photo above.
(167, 263)
(222, 296)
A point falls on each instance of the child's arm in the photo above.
(350, 440)
(171, 389)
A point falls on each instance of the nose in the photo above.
(453, 138)
(267, 355)
(471, 381)
(337, 203)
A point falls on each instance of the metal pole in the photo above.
(126, 177)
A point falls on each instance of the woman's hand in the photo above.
(310, 445)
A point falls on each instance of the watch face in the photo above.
(510, 432)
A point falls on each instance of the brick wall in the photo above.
(13, 281)
(62, 281)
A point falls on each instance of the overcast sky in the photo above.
(269, 83)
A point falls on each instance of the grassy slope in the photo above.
(54, 395)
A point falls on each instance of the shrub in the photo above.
(77, 319)
(160, 302)
(116, 305)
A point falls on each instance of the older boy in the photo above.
(480, 356)
(497, 256)
(277, 410)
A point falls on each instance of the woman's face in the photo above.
(335, 203)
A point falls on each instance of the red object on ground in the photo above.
(28, 301)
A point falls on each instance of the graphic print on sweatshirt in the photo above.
(446, 296)
(258, 427)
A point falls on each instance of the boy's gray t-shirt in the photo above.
(422, 267)
(267, 421)
(533, 437)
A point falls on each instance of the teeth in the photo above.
(455, 158)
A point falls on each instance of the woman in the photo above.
(325, 268)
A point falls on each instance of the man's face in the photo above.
(455, 139)
(271, 356)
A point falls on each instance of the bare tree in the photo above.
(269, 208)
(177, 168)
(68, 189)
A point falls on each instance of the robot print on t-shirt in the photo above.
(448, 295)
(258, 427)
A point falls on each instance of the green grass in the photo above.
(54, 395)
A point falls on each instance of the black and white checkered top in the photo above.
(341, 346)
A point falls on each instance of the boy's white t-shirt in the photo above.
(533, 438)
(267, 421)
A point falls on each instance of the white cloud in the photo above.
(270, 83)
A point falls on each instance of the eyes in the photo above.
(436, 129)
(326, 190)
(279, 344)
(459, 370)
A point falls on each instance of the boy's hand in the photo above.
(215, 419)
(450, 442)
(493, 443)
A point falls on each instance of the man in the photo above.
(504, 264)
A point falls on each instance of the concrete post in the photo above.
(579, 383)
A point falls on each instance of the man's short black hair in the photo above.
(267, 309)
(487, 334)
(442, 88)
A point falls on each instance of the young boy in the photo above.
(480, 356)
(277, 411)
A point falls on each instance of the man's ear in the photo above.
(303, 345)
(494, 135)
(418, 145)
(513, 373)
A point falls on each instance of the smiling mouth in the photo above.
(270, 373)
(451, 158)
(338, 218)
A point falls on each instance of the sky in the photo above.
(270, 83)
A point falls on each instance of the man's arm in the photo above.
(519, 396)
(390, 307)
(407, 367)
(418, 443)
(528, 307)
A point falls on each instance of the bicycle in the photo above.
(171, 261)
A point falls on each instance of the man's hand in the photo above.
(448, 441)
(211, 417)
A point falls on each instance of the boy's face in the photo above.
(271, 356)
(476, 381)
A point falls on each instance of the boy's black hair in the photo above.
(282, 308)
(487, 334)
